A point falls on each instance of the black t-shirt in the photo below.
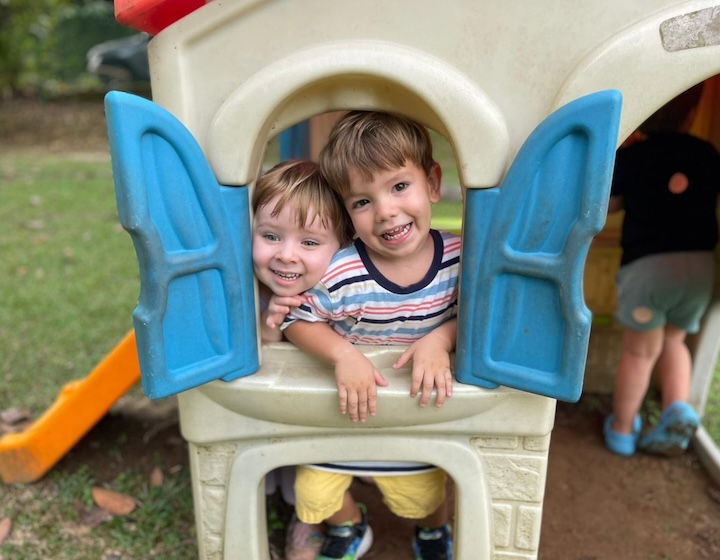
(657, 220)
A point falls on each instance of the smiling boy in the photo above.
(397, 284)
(298, 225)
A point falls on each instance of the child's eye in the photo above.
(271, 237)
(310, 243)
(400, 187)
(360, 203)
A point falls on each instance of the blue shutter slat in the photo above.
(195, 321)
(523, 322)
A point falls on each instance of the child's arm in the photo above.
(615, 204)
(355, 375)
(271, 319)
(431, 363)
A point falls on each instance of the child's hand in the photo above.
(357, 380)
(279, 307)
(431, 364)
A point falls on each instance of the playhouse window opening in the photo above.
(280, 498)
(603, 258)
(306, 139)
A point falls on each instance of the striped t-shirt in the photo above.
(367, 308)
(364, 307)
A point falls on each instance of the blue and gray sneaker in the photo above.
(433, 544)
(347, 542)
(673, 433)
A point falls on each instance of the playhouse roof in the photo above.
(153, 15)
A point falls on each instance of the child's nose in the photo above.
(384, 212)
(286, 253)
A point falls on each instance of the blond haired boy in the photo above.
(299, 223)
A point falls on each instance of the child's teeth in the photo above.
(396, 232)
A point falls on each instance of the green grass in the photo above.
(69, 276)
(47, 519)
(69, 283)
(711, 418)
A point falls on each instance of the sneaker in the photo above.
(673, 433)
(433, 544)
(303, 540)
(621, 444)
(347, 542)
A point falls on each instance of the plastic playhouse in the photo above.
(534, 100)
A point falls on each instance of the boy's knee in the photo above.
(319, 494)
(414, 496)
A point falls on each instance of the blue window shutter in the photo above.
(523, 322)
(195, 321)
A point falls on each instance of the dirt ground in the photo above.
(598, 506)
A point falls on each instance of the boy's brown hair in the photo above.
(371, 141)
(300, 183)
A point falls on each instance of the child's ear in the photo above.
(434, 181)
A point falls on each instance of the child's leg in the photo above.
(438, 518)
(674, 367)
(322, 495)
(348, 513)
(641, 350)
(421, 497)
(672, 434)
(418, 496)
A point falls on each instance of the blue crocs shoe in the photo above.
(673, 433)
(621, 444)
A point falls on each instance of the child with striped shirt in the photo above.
(298, 225)
(397, 284)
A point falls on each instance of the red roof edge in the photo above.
(153, 16)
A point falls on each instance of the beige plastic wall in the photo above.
(484, 73)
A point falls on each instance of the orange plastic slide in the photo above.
(27, 456)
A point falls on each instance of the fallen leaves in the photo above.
(14, 420)
(5, 528)
(95, 517)
(113, 502)
(156, 477)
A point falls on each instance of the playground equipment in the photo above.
(486, 75)
(27, 456)
(515, 91)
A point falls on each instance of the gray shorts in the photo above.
(674, 288)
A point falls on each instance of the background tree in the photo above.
(44, 42)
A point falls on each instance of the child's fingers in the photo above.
(379, 379)
(289, 301)
(353, 406)
(427, 389)
(416, 382)
(363, 404)
(275, 319)
(342, 400)
(444, 385)
(404, 358)
(372, 403)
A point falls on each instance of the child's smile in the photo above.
(287, 258)
(397, 235)
(391, 212)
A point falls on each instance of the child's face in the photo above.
(391, 213)
(287, 258)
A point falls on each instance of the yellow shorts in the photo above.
(319, 494)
